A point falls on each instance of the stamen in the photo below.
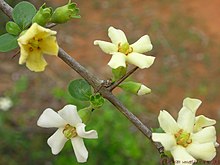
(34, 42)
(183, 138)
(31, 49)
(124, 48)
(69, 131)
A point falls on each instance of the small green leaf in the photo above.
(13, 28)
(8, 42)
(80, 90)
(23, 13)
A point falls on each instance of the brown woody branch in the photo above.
(96, 84)
(6, 8)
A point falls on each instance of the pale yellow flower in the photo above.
(189, 138)
(122, 52)
(37, 41)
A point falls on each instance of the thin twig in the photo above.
(95, 83)
(6, 8)
(113, 86)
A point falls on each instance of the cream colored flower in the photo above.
(34, 43)
(180, 138)
(69, 126)
(5, 103)
(201, 122)
(123, 52)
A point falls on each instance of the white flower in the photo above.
(122, 52)
(69, 126)
(5, 103)
(181, 140)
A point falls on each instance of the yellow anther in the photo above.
(69, 131)
(183, 138)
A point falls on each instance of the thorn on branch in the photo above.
(16, 53)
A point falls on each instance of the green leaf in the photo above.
(80, 90)
(23, 13)
(8, 42)
(13, 28)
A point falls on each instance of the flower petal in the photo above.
(181, 156)
(143, 90)
(35, 61)
(117, 36)
(49, 118)
(57, 141)
(202, 121)
(207, 134)
(118, 59)
(140, 60)
(186, 119)
(79, 149)
(42, 32)
(23, 53)
(80, 129)
(167, 123)
(70, 115)
(35, 31)
(49, 45)
(29, 34)
(142, 45)
(106, 47)
(192, 104)
(167, 140)
(205, 151)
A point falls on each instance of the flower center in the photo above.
(125, 48)
(34, 43)
(69, 131)
(183, 138)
